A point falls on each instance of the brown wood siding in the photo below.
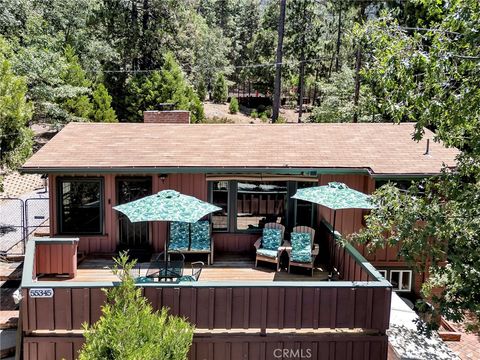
(225, 308)
(56, 259)
(232, 243)
(190, 184)
(235, 347)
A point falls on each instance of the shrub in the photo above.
(233, 105)
(254, 114)
(263, 117)
(220, 90)
(129, 328)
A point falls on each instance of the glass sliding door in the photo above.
(133, 235)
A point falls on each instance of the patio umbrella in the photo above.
(335, 196)
(167, 205)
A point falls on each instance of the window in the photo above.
(220, 198)
(401, 280)
(80, 206)
(259, 203)
(383, 273)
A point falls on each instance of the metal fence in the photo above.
(20, 219)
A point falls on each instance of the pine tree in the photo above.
(102, 110)
(220, 89)
(130, 329)
(74, 97)
(165, 86)
(201, 89)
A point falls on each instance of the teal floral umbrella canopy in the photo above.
(335, 196)
(167, 205)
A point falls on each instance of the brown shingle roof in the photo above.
(382, 148)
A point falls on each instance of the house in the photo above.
(251, 172)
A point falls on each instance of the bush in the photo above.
(129, 328)
(233, 105)
(263, 117)
(254, 114)
(220, 90)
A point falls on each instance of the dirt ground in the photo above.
(220, 111)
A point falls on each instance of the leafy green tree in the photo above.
(165, 86)
(130, 329)
(220, 89)
(15, 113)
(233, 107)
(102, 110)
(432, 77)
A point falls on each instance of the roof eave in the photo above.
(194, 169)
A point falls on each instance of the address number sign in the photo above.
(41, 293)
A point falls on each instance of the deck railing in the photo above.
(360, 300)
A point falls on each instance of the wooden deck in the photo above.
(226, 269)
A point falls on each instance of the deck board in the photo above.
(223, 270)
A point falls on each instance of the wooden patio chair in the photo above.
(270, 253)
(303, 250)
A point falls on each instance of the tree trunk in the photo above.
(278, 63)
(301, 80)
(339, 40)
(356, 96)
(358, 65)
(315, 87)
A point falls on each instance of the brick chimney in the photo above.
(167, 117)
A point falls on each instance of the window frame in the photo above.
(234, 213)
(290, 207)
(400, 278)
(59, 203)
(229, 205)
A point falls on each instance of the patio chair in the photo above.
(197, 267)
(179, 236)
(166, 269)
(303, 250)
(201, 239)
(268, 247)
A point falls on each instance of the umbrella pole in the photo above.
(167, 240)
(332, 252)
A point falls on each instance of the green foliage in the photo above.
(201, 89)
(233, 107)
(102, 110)
(15, 114)
(165, 86)
(254, 114)
(335, 101)
(129, 328)
(220, 89)
(263, 117)
(432, 77)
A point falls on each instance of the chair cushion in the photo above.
(179, 232)
(266, 252)
(200, 236)
(301, 247)
(271, 239)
